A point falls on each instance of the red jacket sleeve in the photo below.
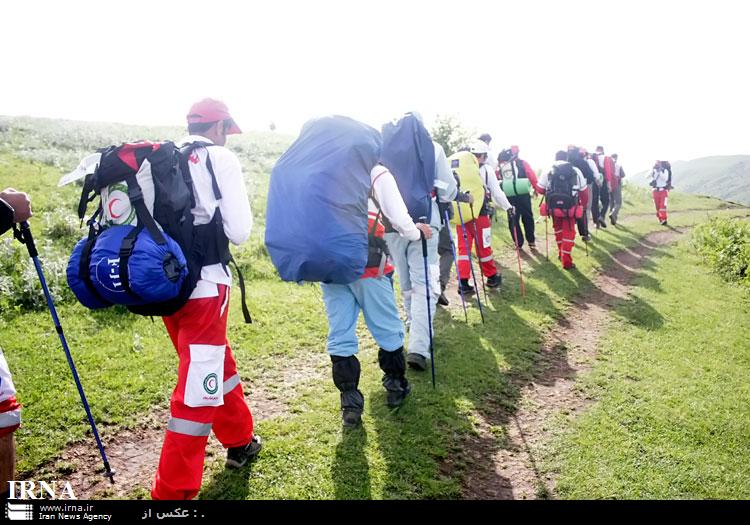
(531, 174)
(609, 169)
(583, 197)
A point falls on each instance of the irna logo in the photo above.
(40, 490)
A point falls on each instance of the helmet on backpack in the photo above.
(479, 148)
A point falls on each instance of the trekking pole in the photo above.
(427, 289)
(586, 243)
(471, 266)
(546, 230)
(23, 235)
(455, 262)
(476, 242)
(518, 255)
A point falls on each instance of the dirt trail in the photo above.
(568, 350)
(134, 453)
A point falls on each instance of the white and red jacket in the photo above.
(594, 168)
(10, 410)
(234, 205)
(492, 187)
(392, 205)
(660, 177)
(580, 187)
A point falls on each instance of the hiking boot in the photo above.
(663, 223)
(532, 246)
(394, 376)
(416, 362)
(571, 267)
(237, 457)
(603, 224)
(442, 300)
(346, 371)
(351, 417)
(465, 287)
(398, 388)
(612, 220)
(586, 238)
(495, 281)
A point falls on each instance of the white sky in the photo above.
(647, 79)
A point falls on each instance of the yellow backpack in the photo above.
(465, 167)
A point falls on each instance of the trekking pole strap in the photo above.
(243, 294)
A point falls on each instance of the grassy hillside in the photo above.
(724, 177)
(673, 420)
(128, 366)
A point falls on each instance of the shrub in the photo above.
(19, 284)
(725, 246)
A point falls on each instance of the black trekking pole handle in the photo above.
(23, 235)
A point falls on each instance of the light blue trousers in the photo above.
(409, 262)
(374, 296)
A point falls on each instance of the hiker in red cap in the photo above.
(208, 395)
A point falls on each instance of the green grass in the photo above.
(673, 416)
(128, 365)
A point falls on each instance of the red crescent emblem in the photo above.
(111, 213)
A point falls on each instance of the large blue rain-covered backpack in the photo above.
(143, 250)
(316, 218)
(409, 154)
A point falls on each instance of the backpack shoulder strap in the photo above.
(186, 150)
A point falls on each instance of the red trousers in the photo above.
(479, 227)
(660, 200)
(208, 395)
(565, 234)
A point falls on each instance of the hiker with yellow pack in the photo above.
(478, 189)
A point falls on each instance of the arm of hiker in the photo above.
(498, 197)
(531, 174)
(445, 182)
(543, 183)
(391, 203)
(581, 187)
(234, 204)
(595, 172)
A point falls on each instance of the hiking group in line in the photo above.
(158, 243)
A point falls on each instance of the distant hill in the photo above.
(726, 177)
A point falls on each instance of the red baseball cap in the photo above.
(210, 110)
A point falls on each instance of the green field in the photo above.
(128, 365)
